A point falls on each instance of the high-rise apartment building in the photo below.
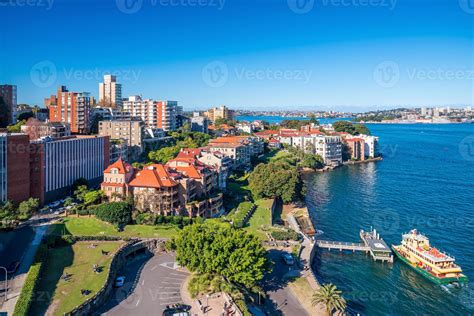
(167, 115)
(70, 107)
(8, 94)
(110, 92)
(132, 132)
(155, 114)
(220, 112)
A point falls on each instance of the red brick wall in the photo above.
(37, 171)
(18, 168)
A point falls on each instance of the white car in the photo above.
(119, 281)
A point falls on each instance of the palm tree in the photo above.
(329, 296)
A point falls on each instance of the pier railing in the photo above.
(326, 244)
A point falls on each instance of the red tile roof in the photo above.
(153, 176)
(122, 167)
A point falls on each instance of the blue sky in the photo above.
(262, 54)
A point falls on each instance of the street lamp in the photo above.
(6, 283)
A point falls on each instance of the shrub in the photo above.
(285, 235)
(28, 291)
(117, 213)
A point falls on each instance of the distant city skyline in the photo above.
(265, 55)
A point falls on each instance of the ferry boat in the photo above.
(428, 261)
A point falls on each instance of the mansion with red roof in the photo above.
(184, 186)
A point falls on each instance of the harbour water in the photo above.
(426, 181)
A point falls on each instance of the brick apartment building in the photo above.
(70, 107)
(14, 176)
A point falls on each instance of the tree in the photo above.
(330, 297)
(25, 116)
(27, 208)
(8, 211)
(80, 193)
(294, 124)
(312, 161)
(276, 180)
(219, 249)
(163, 155)
(16, 128)
(117, 213)
(353, 129)
(78, 183)
(68, 201)
(93, 197)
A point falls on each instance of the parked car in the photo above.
(288, 259)
(119, 281)
(54, 204)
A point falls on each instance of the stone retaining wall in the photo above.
(152, 246)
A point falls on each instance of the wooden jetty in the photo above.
(372, 243)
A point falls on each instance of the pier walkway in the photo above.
(372, 243)
(326, 244)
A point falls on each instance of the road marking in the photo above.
(138, 302)
(154, 268)
(143, 282)
(181, 275)
(181, 279)
(178, 284)
(174, 293)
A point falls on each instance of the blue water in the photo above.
(426, 181)
(278, 119)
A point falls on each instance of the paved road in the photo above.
(282, 300)
(150, 285)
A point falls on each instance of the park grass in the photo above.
(284, 156)
(91, 226)
(56, 296)
(261, 219)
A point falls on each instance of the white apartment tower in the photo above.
(110, 92)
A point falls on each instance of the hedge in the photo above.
(285, 235)
(28, 291)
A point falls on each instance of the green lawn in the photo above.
(261, 219)
(90, 226)
(56, 296)
(284, 156)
